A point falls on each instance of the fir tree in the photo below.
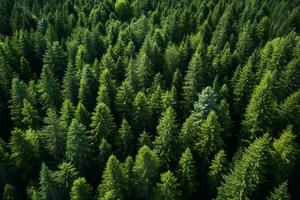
(81, 190)
(168, 188)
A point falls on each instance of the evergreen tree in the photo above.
(141, 112)
(260, 112)
(187, 174)
(103, 125)
(9, 192)
(165, 143)
(280, 193)
(48, 186)
(78, 148)
(81, 190)
(168, 188)
(49, 89)
(31, 118)
(54, 135)
(125, 140)
(70, 84)
(67, 113)
(145, 172)
(82, 115)
(247, 173)
(210, 141)
(114, 180)
(124, 100)
(18, 93)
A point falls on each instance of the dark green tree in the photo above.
(280, 193)
(81, 190)
(168, 188)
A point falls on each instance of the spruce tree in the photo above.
(31, 118)
(81, 190)
(141, 112)
(166, 142)
(125, 140)
(9, 192)
(67, 113)
(145, 172)
(70, 84)
(78, 147)
(187, 174)
(168, 188)
(280, 193)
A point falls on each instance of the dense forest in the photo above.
(149, 99)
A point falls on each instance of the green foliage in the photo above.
(280, 192)
(166, 143)
(247, 173)
(125, 140)
(168, 188)
(9, 193)
(81, 190)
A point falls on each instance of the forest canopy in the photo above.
(149, 99)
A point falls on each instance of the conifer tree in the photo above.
(48, 186)
(114, 180)
(54, 135)
(70, 84)
(168, 189)
(284, 155)
(67, 113)
(81, 190)
(145, 172)
(187, 174)
(125, 140)
(166, 143)
(193, 81)
(78, 148)
(82, 115)
(260, 112)
(280, 193)
(87, 89)
(55, 58)
(9, 192)
(105, 150)
(141, 112)
(103, 125)
(124, 100)
(247, 173)
(18, 93)
(210, 141)
(31, 118)
(218, 167)
(49, 89)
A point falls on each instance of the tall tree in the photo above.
(141, 112)
(81, 190)
(125, 140)
(168, 189)
(280, 193)
(166, 142)
(78, 147)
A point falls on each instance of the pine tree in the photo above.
(65, 176)
(125, 140)
(124, 100)
(187, 174)
(24, 152)
(70, 85)
(166, 142)
(49, 89)
(87, 89)
(105, 150)
(18, 93)
(81, 190)
(48, 186)
(218, 167)
(54, 135)
(210, 141)
(9, 193)
(141, 112)
(145, 172)
(103, 125)
(67, 113)
(172, 62)
(168, 188)
(114, 180)
(284, 155)
(56, 60)
(193, 81)
(247, 173)
(82, 115)
(31, 118)
(123, 9)
(260, 112)
(280, 193)
(108, 83)
(144, 140)
(78, 147)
